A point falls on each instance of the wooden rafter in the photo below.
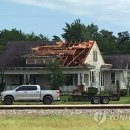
(76, 57)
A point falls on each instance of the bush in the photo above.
(92, 91)
(84, 93)
(105, 93)
(123, 92)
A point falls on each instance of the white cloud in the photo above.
(114, 11)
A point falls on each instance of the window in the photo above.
(27, 88)
(112, 77)
(92, 77)
(128, 81)
(101, 78)
(94, 56)
(22, 88)
(69, 80)
(31, 88)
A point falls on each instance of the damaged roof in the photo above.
(69, 54)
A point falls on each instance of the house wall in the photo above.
(119, 75)
(89, 58)
(86, 79)
(38, 76)
(128, 78)
(12, 79)
(42, 81)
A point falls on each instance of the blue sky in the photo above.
(49, 16)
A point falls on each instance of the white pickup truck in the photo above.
(29, 93)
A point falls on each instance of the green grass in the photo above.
(35, 122)
(123, 100)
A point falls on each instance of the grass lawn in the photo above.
(123, 100)
(34, 122)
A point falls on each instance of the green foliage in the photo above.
(104, 93)
(56, 38)
(18, 35)
(75, 31)
(56, 76)
(107, 42)
(92, 91)
(123, 92)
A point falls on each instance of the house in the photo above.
(25, 62)
(117, 68)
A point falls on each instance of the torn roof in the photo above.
(69, 54)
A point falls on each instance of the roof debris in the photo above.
(68, 54)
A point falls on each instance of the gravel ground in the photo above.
(48, 112)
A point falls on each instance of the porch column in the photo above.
(82, 78)
(73, 79)
(28, 79)
(79, 80)
(125, 78)
(24, 78)
(97, 79)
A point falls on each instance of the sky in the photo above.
(48, 17)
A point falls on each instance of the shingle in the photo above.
(12, 56)
(118, 61)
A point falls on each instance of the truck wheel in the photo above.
(104, 100)
(8, 100)
(95, 100)
(47, 100)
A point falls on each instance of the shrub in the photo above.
(84, 93)
(123, 92)
(92, 91)
(105, 93)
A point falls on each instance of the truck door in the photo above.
(33, 93)
(21, 93)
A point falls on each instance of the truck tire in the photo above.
(47, 100)
(105, 100)
(95, 100)
(8, 100)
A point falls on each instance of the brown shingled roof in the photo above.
(12, 56)
(119, 61)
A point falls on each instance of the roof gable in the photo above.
(90, 57)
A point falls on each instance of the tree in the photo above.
(34, 37)
(56, 38)
(56, 76)
(18, 35)
(75, 31)
(92, 32)
(123, 37)
(107, 42)
(13, 35)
